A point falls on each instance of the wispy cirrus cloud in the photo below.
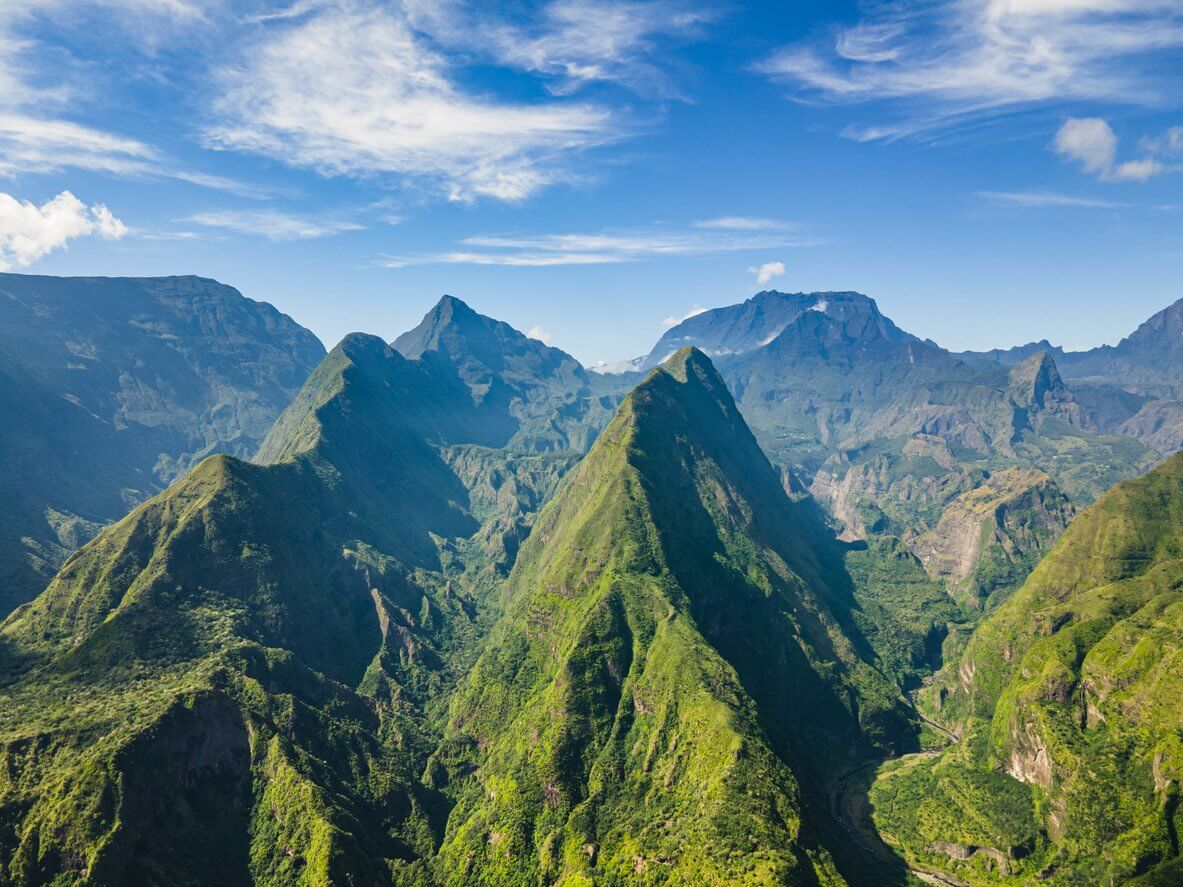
(238, 188)
(603, 248)
(353, 90)
(275, 225)
(581, 41)
(38, 144)
(29, 232)
(1046, 199)
(745, 223)
(944, 64)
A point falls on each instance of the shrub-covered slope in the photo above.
(674, 674)
(988, 540)
(1067, 700)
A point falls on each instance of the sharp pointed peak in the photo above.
(452, 303)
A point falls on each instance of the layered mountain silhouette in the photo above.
(1131, 388)
(112, 387)
(243, 680)
(888, 430)
(474, 615)
(227, 684)
(266, 644)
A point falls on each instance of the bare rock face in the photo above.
(1158, 424)
(988, 539)
(1036, 387)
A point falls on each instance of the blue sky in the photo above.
(991, 171)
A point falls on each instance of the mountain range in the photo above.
(111, 388)
(809, 601)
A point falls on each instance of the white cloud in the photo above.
(673, 321)
(28, 232)
(1089, 140)
(587, 40)
(766, 272)
(604, 248)
(354, 91)
(37, 145)
(1170, 142)
(537, 332)
(615, 367)
(743, 223)
(224, 183)
(1138, 170)
(1092, 143)
(948, 64)
(273, 224)
(1046, 199)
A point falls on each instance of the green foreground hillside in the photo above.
(1069, 705)
(247, 680)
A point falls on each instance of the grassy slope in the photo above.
(243, 679)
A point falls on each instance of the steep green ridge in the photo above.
(110, 388)
(243, 680)
(1067, 702)
(675, 672)
(256, 639)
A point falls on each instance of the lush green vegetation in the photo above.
(675, 673)
(268, 648)
(422, 639)
(1067, 695)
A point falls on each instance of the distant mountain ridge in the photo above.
(752, 324)
(475, 615)
(1133, 388)
(110, 388)
(1151, 357)
(529, 396)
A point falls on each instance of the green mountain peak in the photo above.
(667, 659)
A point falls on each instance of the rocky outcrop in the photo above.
(1158, 424)
(1035, 388)
(989, 538)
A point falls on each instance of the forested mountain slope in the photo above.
(675, 674)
